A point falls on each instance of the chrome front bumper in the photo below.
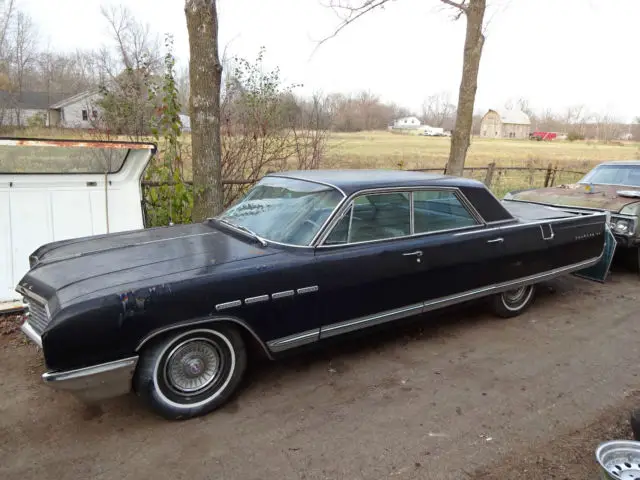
(90, 384)
(31, 333)
(95, 383)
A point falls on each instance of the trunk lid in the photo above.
(602, 197)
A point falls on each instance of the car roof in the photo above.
(353, 180)
(621, 162)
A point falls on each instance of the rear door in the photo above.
(460, 255)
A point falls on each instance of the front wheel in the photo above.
(513, 302)
(191, 373)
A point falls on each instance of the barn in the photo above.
(505, 124)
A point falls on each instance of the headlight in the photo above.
(622, 226)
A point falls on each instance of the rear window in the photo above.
(48, 159)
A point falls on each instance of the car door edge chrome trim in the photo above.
(293, 341)
(347, 326)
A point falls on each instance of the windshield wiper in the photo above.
(244, 229)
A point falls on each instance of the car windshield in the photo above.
(284, 210)
(614, 175)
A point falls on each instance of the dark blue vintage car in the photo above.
(170, 312)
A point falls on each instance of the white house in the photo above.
(409, 123)
(24, 108)
(41, 108)
(78, 111)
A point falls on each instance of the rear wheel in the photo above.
(191, 373)
(513, 302)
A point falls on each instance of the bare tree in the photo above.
(23, 44)
(131, 67)
(182, 83)
(474, 11)
(6, 17)
(137, 47)
(205, 76)
(438, 111)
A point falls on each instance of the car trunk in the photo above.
(52, 190)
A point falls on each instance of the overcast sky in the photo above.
(555, 53)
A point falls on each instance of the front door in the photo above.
(366, 264)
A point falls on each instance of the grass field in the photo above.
(382, 149)
(388, 150)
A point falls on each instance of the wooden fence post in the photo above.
(553, 175)
(547, 176)
(489, 176)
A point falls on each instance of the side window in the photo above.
(374, 217)
(439, 210)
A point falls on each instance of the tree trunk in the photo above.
(473, 44)
(205, 74)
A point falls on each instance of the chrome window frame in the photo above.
(348, 203)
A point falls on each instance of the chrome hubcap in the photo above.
(514, 297)
(193, 365)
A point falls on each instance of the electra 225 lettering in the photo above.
(171, 312)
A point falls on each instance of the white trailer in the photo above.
(61, 189)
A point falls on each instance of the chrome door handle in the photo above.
(496, 240)
(417, 253)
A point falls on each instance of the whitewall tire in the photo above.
(513, 302)
(191, 373)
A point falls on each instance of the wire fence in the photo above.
(499, 179)
(504, 179)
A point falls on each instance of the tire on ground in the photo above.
(513, 302)
(192, 372)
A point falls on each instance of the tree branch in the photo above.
(461, 6)
(352, 14)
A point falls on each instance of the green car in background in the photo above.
(613, 187)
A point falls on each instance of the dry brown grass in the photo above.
(388, 150)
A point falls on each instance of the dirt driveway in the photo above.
(441, 398)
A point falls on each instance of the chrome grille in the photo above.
(38, 317)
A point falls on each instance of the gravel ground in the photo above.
(455, 396)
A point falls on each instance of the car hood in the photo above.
(78, 267)
(604, 197)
